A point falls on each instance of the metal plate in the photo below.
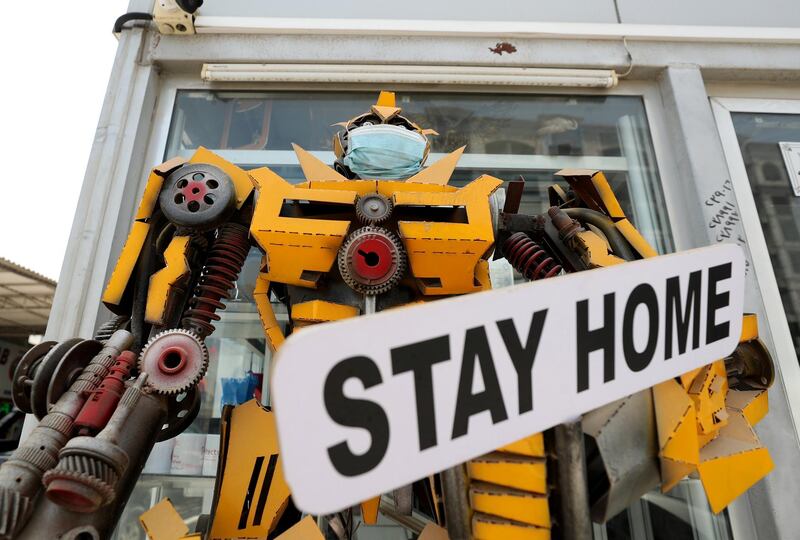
(23, 374)
(182, 409)
(44, 373)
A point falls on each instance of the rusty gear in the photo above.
(372, 260)
(174, 360)
(373, 208)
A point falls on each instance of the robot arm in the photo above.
(628, 453)
(187, 244)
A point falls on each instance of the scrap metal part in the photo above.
(174, 360)
(373, 208)
(21, 475)
(620, 473)
(89, 467)
(372, 260)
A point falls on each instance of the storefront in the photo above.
(689, 125)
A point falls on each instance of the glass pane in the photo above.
(507, 136)
(778, 207)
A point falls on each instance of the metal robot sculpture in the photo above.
(374, 232)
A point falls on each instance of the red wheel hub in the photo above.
(194, 191)
(373, 257)
(372, 260)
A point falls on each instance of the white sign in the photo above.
(367, 405)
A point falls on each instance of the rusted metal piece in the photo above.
(514, 196)
(567, 227)
(101, 404)
(21, 475)
(455, 486)
(529, 258)
(572, 482)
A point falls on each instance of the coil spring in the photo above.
(220, 272)
(529, 258)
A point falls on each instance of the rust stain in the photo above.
(503, 47)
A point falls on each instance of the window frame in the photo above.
(785, 354)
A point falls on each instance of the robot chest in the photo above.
(373, 234)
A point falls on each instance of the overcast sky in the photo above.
(55, 61)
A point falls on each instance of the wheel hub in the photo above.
(372, 260)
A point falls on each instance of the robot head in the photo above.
(381, 144)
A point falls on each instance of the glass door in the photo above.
(761, 140)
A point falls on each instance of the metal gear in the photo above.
(373, 208)
(198, 197)
(372, 260)
(174, 360)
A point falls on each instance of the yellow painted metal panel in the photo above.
(294, 246)
(444, 256)
(732, 463)
(491, 528)
(162, 522)
(118, 282)
(530, 508)
(153, 187)
(440, 172)
(635, 239)
(244, 453)
(529, 446)
(314, 169)
(162, 282)
(369, 510)
(272, 328)
(519, 472)
(305, 529)
(150, 196)
(242, 183)
(322, 311)
(754, 404)
(607, 196)
(749, 327)
(675, 420)
(386, 99)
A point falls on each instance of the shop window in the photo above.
(507, 136)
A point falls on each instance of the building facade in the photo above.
(690, 108)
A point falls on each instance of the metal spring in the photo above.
(220, 272)
(529, 258)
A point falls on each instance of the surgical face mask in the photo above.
(384, 152)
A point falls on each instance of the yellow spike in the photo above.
(314, 169)
(440, 172)
(386, 99)
(385, 113)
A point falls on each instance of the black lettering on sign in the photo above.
(360, 413)
(523, 357)
(642, 295)
(714, 331)
(419, 358)
(690, 310)
(594, 340)
(476, 346)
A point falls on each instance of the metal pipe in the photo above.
(136, 438)
(572, 482)
(456, 503)
(618, 244)
(21, 475)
